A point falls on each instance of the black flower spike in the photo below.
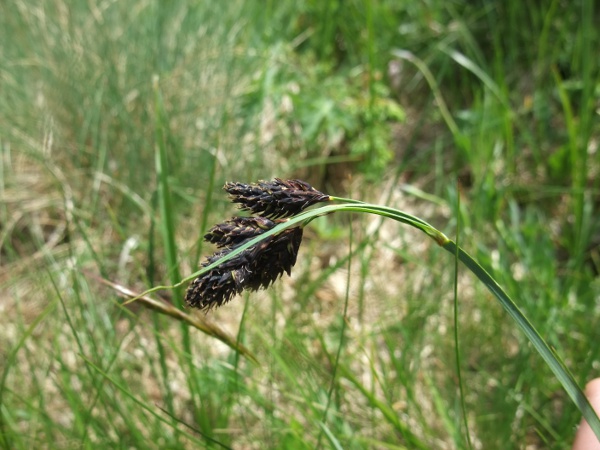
(218, 286)
(237, 230)
(277, 254)
(254, 268)
(275, 199)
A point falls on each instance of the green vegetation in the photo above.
(119, 122)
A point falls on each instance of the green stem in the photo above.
(456, 333)
(547, 354)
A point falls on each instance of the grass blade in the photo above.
(164, 192)
(196, 321)
(548, 355)
(330, 437)
(139, 402)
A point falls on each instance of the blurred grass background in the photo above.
(119, 122)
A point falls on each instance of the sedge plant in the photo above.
(255, 251)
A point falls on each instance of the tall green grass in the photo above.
(499, 95)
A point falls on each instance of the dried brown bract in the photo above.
(275, 199)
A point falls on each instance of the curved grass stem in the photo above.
(548, 355)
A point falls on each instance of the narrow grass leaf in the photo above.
(9, 363)
(565, 378)
(330, 437)
(139, 402)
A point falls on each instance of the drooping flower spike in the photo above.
(254, 268)
(260, 265)
(237, 230)
(275, 199)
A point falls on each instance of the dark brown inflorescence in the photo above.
(260, 265)
(254, 268)
(237, 230)
(275, 199)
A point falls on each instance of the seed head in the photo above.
(274, 256)
(237, 230)
(254, 268)
(260, 265)
(275, 199)
(218, 286)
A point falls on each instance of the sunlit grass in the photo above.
(93, 94)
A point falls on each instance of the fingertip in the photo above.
(592, 389)
(585, 439)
